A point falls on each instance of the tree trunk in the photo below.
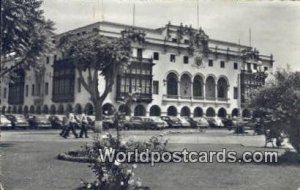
(98, 116)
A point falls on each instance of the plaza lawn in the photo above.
(32, 165)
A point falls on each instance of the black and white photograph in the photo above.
(150, 95)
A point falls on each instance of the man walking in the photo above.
(84, 126)
(71, 127)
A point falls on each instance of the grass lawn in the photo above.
(33, 166)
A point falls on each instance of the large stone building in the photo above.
(175, 70)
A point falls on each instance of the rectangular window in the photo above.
(235, 92)
(140, 53)
(55, 57)
(156, 56)
(26, 90)
(78, 85)
(185, 59)
(186, 41)
(32, 90)
(255, 66)
(46, 88)
(5, 93)
(235, 66)
(172, 58)
(38, 90)
(266, 68)
(249, 66)
(155, 87)
(222, 64)
(174, 40)
(210, 63)
(47, 60)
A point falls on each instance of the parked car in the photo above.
(215, 122)
(18, 120)
(108, 122)
(199, 122)
(39, 121)
(5, 123)
(154, 122)
(134, 123)
(172, 121)
(57, 121)
(184, 122)
(228, 123)
(91, 119)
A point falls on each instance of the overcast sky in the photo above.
(275, 26)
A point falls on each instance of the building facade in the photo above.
(174, 70)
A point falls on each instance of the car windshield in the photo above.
(20, 117)
(41, 118)
(175, 119)
(156, 119)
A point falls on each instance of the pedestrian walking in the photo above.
(65, 125)
(71, 126)
(84, 126)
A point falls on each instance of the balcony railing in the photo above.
(194, 98)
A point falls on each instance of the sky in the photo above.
(275, 25)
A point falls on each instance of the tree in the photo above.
(97, 55)
(25, 34)
(280, 100)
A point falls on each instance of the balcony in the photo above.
(63, 97)
(140, 97)
(195, 99)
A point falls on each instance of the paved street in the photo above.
(28, 162)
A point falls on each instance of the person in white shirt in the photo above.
(71, 126)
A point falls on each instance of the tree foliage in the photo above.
(26, 34)
(281, 101)
(97, 55)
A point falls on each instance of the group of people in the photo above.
(71, 121)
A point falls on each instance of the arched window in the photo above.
(9, 109)
(172, 111)
(53, 109)
(125, 109)
(185, 111)
(20, 109)
(45, 109)
(3, 109)
(78, 109)
(210, 112)
(172, 84)
(155, 110)
(60, 109)
(89, 109)
(222, 112)
(222, 88)
(185, 86)
(210, 88)
(31, 109)
(25, 109)
(14, 109)
(198, 112)
(198, 86)
(139, 110)
(108, 109)
(69, 108)
(38, 109)
(246, 113)
(235, 112)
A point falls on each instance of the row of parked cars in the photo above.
(124, 122)
(35, 121)
(161, 122)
